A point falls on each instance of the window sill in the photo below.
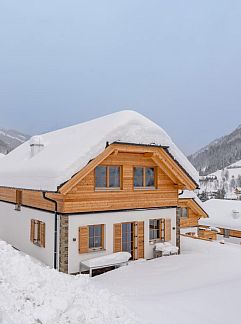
(144, 188)
(107, 189)
(151, 242)
(96, 250)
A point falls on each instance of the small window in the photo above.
(107, 177)
(154, 229)
(182, 212)
(96, 236)
(18, 200)
(157, 229)
(144, 177)
(37, 233)
(226, 233)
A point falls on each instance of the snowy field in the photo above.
(200, 286)
(33, 294)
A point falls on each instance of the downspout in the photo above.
(55, 226)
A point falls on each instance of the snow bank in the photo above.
(222, 213)
(68, 150)
(31, 293)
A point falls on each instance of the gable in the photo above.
(156, 156)
(196, 210)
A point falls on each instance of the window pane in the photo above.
(97, 241)
(91, 242)
(138, 177)
(114, 177)
(91, 230)
(97, 230)
(184, 212)
(100, 177)
(150, 178)
(154, 232)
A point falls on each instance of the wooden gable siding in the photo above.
(83, 196)
(31, 199)
(194, 213)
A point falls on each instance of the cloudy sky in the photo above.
(178, 62)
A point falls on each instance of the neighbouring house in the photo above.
(190, 210)
(86, 191)
(225, 216)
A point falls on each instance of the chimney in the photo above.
(36, 144)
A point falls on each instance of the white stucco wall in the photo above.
(110, 218)
(15, 229)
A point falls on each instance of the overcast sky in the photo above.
(177, 62)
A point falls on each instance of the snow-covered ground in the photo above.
(200, 286)
(33, 294)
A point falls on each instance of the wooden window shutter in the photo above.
(161, 229)
(83, 239)
(103, 236)
(168, 235)
(32, 229)
(117, 238)
(140, 242)
(42, 234)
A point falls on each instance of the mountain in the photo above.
(218, 154)
(225, 183)
(10, 139)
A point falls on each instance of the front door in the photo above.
(129, 237)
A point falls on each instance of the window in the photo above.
(18, 200)
(226, 233)
(182, 212)
(154, 229)
(107, 177)
(157, 229)
(37, 232)
(144, 177)
(96, 233)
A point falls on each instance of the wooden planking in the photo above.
(168, 230)
(207, 234)
(194, 213)
(31, 198)
(83, 239)
(188, 222)
(140, 240)
(42, 234)
(117, 237)
(83, 197)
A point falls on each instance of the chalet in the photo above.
(225, 215)
(190, 210)
(104, 186)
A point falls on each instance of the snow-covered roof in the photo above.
(223, 213)
(66, 151)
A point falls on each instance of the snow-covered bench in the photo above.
(115, 260)
(165, 249)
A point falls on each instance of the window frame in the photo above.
(108, 188)
(144, 187)
(37, 237)
(161, 238)
(180, 212)
(102, 237)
